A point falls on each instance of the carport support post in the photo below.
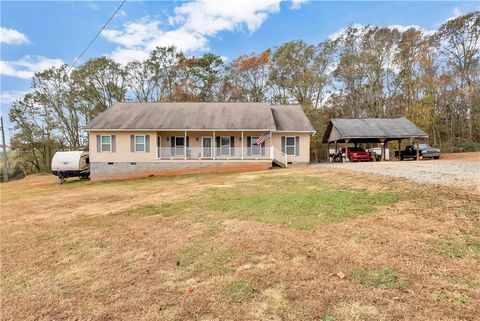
(399, 149)
(418, 152)
(382, 149)
(346, 151)
(328, 152)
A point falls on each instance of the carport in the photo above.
(372, 130)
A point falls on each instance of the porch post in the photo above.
(214, 144)
(271, 146)
(185, 145)
(328, 152)
(242, 144)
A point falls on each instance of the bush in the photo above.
(468, 146)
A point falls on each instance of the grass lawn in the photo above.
(289, 244)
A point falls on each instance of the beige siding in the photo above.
(304, 152)
(123, 153)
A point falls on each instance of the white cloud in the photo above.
(190, 28)
(296, 4)
(9, 96)
(92, 5)
(120, 13)
(12, 37)
(27, 66)
(456, 13)
(337, 34)
(401, 28)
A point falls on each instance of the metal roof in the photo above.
(198, 116)
(371, 129)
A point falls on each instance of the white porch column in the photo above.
(242, 144)
(214, 144)
(185, 145)
(271, 146)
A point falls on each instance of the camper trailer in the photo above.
(71, 164)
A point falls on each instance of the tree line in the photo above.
(432, 78)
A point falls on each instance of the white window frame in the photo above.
(102, 144)
(222, 146)
(144, 143)
(175, 146)
(254, 146)
(294, 145)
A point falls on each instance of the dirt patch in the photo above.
(470, 157)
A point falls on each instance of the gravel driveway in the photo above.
(445, 172)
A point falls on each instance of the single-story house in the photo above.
(155, 139)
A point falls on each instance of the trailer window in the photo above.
(140, 143)
(106, 143)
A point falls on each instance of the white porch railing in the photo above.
(253, 152)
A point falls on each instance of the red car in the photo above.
(357, 154)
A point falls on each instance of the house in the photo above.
(154, 139)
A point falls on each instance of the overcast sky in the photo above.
(37, 35)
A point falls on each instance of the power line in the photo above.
(96, 36)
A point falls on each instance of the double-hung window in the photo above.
(139, 143)
(179, 145)
(225, 145)
(106, 142)
(290, 145)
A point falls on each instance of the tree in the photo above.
(299, 72)
(249, 75)
(99, 83)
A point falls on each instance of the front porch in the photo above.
(214, 145)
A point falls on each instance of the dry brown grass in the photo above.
(97, 251)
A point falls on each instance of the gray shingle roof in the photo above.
(373, 128)
(211, 116)
(291, 118)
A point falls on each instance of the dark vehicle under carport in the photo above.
(373, 131)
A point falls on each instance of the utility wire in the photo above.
(96, 36)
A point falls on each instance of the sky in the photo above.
(39, 34)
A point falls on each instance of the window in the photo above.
(290, 147)
(179, 144)
(225, 146)
(140, 143)
(106, 142)
(256, 149)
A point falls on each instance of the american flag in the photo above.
(264, 137)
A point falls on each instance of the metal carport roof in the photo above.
(371, 130)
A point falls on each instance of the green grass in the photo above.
(165, 210)
(301, 202)
(203, 258)
(457, 298)
(383, 278)
(238, 291)
(459, 247)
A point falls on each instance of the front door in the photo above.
(207, 151)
